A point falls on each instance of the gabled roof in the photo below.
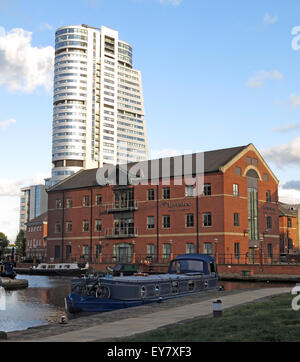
(287, 210)
(214, 161)
(39, 219)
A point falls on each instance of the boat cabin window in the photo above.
(157, 289)
(143, 292)
(43, 266)
(175, 287)
(191, 286)
(213, 268)
(67, 266)
(184, 266)
(51, 266)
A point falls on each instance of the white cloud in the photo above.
(46, 26)
(288, 196)
(22, 66)
(259, 77)
(10, 202)
(269, 19)
(172, 2)
(9, 216)
(285, 154)
(5, 124)
(295, 100)
(12, 187)
(286, 128)
(166, 152)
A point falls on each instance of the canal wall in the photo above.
(252, 272)
(12, 284)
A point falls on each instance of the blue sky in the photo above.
(215, 74)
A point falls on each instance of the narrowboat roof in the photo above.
(204, 257)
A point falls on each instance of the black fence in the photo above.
(144, 259)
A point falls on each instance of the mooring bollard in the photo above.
(217, 308)
(63, 320)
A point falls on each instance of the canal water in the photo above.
(43, 301)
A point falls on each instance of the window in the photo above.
(151, 250)
(98, 225)
(86, 201)
(57, 227)
(166, 221)
(207, 221)
(189, 248)
(269, 222)
(207, 189)
(270, 251)
(189, 191)
(235, 190)
(58, 204)
(150, 222)
(151, 195)
(98, 250)
(57, 251)
(207, 248)
(266, 177)
(255, 161)
(268, 196)
(85, 250)
(69, 203)
(98, 200)
(85, 226)
(236, 219)
(238, 171)
(68, 226)
(166, 193)
(166, 251)
(248, 160)
(68, 251)
(189, 220)
(289, 222)
(237, 250)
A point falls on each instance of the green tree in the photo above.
(21, 243)
(3, 244)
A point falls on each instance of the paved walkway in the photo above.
(130, 326)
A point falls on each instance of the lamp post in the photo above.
(216, 249)
(1, 248)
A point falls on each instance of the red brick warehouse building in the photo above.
(36, 238)
(234, 216)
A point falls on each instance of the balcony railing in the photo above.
(128, 205)
(121, 232)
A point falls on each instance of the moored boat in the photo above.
(7, 270)
(63, 269)
(187, 274)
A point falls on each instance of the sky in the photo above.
(216, 74)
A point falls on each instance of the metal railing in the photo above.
(121, 232)
(127, 205)
(146, 259)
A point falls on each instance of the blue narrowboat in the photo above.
(7, 270)
(187, 274)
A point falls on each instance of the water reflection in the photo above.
(43, 301)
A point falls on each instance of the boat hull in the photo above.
(77, 303)
(50, 272)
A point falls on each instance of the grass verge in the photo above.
(272, 320)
